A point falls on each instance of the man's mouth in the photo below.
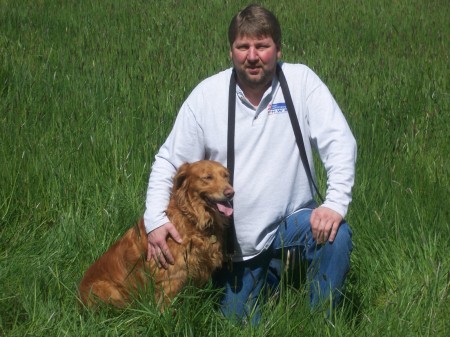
(253, 70)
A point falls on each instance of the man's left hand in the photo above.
(324, 224)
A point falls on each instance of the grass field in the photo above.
(89, 91)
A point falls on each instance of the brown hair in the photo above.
(255, 21)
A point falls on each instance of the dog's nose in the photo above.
(229, 192)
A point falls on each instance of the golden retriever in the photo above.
(199, 207)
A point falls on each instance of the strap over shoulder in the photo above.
(296, 127)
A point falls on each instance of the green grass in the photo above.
(89, 91)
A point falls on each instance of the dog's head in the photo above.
(204, 188)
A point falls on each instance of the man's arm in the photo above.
(184, 144)
(332, 137)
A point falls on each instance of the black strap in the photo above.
(231, 234)
(296, 127)
(231, 135)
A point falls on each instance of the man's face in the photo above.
(255, 60)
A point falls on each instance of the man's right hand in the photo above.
(157, 244)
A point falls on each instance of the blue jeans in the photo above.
(327, 264)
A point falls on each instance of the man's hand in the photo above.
(324, 224)
(157, 244)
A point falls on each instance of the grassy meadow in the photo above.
(89, 91)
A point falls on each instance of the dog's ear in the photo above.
(180, 177)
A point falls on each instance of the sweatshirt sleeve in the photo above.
(184, 144)
(333, 139)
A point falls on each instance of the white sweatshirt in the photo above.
(269, 179)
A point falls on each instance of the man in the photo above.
(274, 205)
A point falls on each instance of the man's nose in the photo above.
(252, 54)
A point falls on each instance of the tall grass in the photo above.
(88, 92)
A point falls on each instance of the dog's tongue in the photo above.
(225, 209)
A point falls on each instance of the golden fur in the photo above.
(196, 208)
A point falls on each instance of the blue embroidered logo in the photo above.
(277, 108)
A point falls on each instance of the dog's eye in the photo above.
(207, 177)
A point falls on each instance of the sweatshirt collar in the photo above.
(266, 99)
